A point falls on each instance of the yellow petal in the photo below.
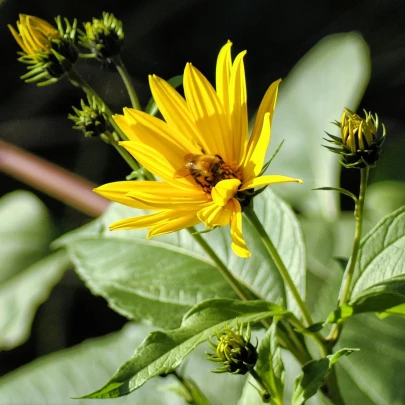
(266, 180)
(155, 132)
(208, 113)
(254, 165)
(238, 107)
(180, 220)
(267, 105)
(214, 215)
(163, 166)
(223, 74)
(174, 108)
(143, 221)
(238, 243)
(224, 190)
(117, 192)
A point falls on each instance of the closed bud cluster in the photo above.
(360, 142)
(91, 119)
(234, 351)
(103, 36)
(49, 52)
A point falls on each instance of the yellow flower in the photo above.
(202, 153)
(34, 34)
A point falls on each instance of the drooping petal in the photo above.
(223, 74)
(238, 243)
(238, 109)
(174, 108)
(143, 221)
(118, 191)
(180, 220)
(207, 111)
(215, 215)
(266, 180)
(224, 190)
(267, 105)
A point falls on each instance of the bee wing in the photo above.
(182, 172)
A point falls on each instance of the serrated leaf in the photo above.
(259, 271)
(302, 117)
(161, 352)
(382, 253)
(55, 378)
(270, 365)
(25, 232)
(24, 293)
(314, 372)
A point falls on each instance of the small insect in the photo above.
(207, 170)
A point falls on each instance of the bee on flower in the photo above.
(208, 165)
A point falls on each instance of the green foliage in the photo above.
(314, 373)
(26, 278)
(270, 365)
(162, 352)
(302, 116)
(381, 253)
(155, 279)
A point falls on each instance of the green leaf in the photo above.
(139, 263)
(314, 372)
(152, 107)
(55, 378)
(162, 352)
(302, 116)
(25, 232)
(378, 298)
(146, 281)
(382, 252)
(24, 293)
(340, 190)
(375, 375)
(270, 366)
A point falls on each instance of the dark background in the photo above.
(160, 37)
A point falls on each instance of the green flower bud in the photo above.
(103, 37)
(49, 52)
(236, 352)
(91, 119)
(360, 142)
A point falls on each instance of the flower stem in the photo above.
(254, 220)
(348, 276)
(77, 80)
(119, 64)
(241, 290)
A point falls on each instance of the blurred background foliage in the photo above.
(160, 37)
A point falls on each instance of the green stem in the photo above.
(349, 273)
(241, 290)
(254, 220)
(77, 80)
(119, 64)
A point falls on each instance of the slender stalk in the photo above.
(241, 290)
(348, 276)
(119, 64)
(77, 80)
(254, 220)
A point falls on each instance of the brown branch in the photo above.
(59, 183)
